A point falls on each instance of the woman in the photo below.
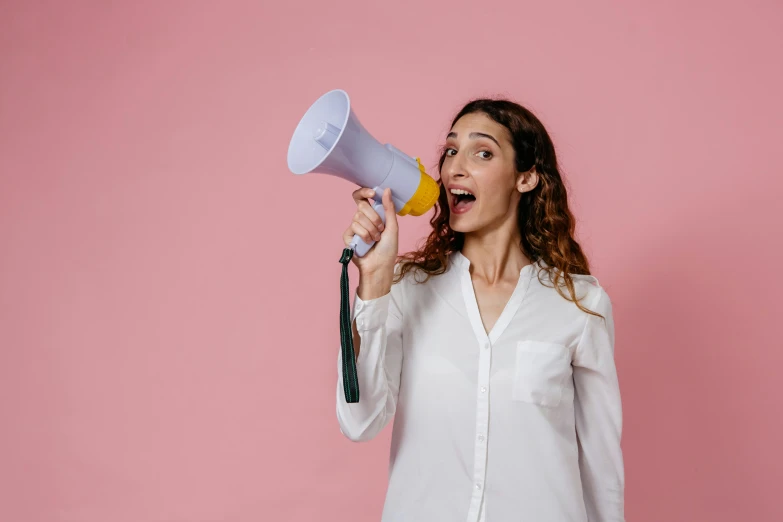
(492, 346)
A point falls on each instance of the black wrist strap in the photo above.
(350, 378)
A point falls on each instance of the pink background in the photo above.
(169, 291)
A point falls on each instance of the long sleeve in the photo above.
(598, 414)
(379, 323)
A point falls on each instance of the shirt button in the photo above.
(483, 389)
(478, 486)
(485, 345)
(481, 438)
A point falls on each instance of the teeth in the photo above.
(460, 191)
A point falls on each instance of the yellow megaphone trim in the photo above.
(425, 196)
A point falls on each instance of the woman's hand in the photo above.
(380, 259)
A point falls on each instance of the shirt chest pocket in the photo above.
(540, 372)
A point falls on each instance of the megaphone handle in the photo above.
(360, 248)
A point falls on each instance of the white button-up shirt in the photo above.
(519, 424)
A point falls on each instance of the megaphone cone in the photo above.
(329, 139)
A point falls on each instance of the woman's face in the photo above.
(479, 158)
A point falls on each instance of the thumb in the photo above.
(388, 207)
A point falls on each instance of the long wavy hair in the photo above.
(545, 222)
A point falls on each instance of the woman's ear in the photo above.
(527, 180)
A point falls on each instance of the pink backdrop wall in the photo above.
(168, 309)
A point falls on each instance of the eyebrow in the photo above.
(474, 135)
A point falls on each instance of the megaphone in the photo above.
(330, 140)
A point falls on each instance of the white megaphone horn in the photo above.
(330, 140)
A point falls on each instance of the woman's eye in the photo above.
(449, 151)
(487, 153)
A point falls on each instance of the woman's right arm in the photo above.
(376, 323)
(377, 332)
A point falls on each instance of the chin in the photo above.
(462, 227)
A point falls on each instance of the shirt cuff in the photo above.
(372, 313)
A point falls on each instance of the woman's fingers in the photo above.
(389, 210)
(362, 194)
(372, 217)
(368, 225)
(362, 232)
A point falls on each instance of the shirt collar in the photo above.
(464, 263)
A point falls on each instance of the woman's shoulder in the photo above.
(416, 274)
(581, 279)
(587, 286)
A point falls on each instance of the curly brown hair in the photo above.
(545, 222)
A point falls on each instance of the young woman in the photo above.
(492, 346)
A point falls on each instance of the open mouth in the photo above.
(462, 201)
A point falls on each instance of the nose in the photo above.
(454, 166)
